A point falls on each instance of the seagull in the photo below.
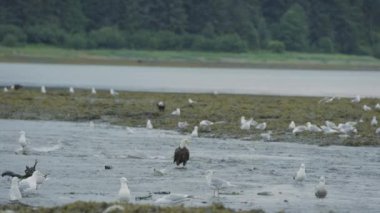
(300, 175)
(159, 172)
(245, 124)
(346, 128)
(149, 125)
(374, 121)
(292, 125)
(356, 99)
(377, 106)
(124, 193)
(320, 189)
(22, 139)
(377, 131)
(206, 125)
(93, 91)
(71, 90)
(29, 185)
(43, 90)
(313, 127)
(176, 112)
(366, 108)
(216, 184)
(182, 125)
(91, 124)
(331, 124)
(266, 136)
(172, 199)
(5, 89)
(129, 130)
(261, 126)
(326, 100)
(191, 102)
(113, 92)
(298, 129)
(328, 130)
(194, 133)
(14, 192)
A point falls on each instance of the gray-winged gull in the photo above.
(292, 125)
(320, 189)
(124, 193)
(216, 184)
(14, 192)
(300, 176)
(149, 124)
(176, 112)
(194, 133)
(173, 199)
(374, 121)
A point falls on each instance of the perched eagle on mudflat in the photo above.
(182, 154)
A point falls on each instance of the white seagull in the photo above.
(301, 174)
(331, 124)
(71, 90)
(261, 126)
(22, 139)
(43, 89)
(216, 184)
(93, 91)
(14, 192)
(113, 92)
(377, 106)
(29, 185)
(328, 130)
(377, 131)
(366, 108)
(176, 112)
(5, 89)
(292, 125)
(124, 193)
(374, 121)
(191, 102)
(149, 124)
(356, 99)
(320, 189)
(159, 172)
(182, 125)
(299, 129)
(313, 127)
(206, 125)
(194, 133)
(246, 124)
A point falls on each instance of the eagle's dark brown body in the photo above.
(181, 155)
(321, 193)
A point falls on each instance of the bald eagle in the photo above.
(182, 154)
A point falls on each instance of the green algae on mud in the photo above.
(81, 207)
(134, 108)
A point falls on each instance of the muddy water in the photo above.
(74, 156)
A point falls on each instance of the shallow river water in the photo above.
(74, 156)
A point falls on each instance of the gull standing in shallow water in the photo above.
(124, 193)
(14, 192)
(22, 139)
(301, 174)
(320, 189)
(216, 184)
(149, 124)
(194, 133)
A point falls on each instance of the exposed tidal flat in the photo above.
(134, 108)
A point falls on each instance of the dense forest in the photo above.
(328, 26)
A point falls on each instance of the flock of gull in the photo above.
(22, 185)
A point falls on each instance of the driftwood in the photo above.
(28, 172)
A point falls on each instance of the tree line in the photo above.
(326, 26)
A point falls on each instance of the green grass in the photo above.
(84, 207)
(50, 54)
(134, 108)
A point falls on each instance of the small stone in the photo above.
(107, 167)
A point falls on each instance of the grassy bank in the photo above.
(134, 108)
(48, 54)
(83, 207)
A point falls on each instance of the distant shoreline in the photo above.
(288, 60)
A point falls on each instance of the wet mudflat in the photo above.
(74, 156)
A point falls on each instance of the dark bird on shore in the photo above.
(182, 154)
(161, 106)
(320, 189)
(28, 172)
